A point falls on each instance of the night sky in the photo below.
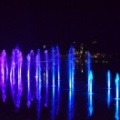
(33, 24)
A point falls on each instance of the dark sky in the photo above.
(32, 24)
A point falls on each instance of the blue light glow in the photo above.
(53, 104)
(90, 105)
(71, 67)
(58, 64)
(53, 66)
(58, 100)
(108, 97)
(90, 82)
(117, 85)
(71, 105)
(108, 79)
(117, 110)
(46, 70)
(28, 81)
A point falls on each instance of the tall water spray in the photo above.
(38, 73)
(90, 74)
(28, 81)
(90, 82)
(71, 67)
(109, 88)
(47, 73)
(46, 66)
(3, 74)
(117, 85)
(108, 79)
(15, 76)
(58, 64)
(90, 85)
(53, 66)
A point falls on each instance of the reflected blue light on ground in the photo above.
(108, 97)
(90, 105)
(46, 96)
(117, 110)
(71, 105)
(58, 100)
(53, 104)
(39, 102)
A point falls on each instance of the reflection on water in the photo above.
(53, 104)
(51, 97)
(117, 110)
(90, 105)
(108, 97)
(71, 105)
(58, 99)
(39, 102)
(46, 96)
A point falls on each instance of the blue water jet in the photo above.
(71, 67)
(108, 79)
(28, 81)
(90, 82)
(117, 85)
(46, 66)
(58, 64)
(38, 72)
(90, 74)
(53, 66)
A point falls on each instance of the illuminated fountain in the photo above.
(15, 76)
(90, 85)
(58, 64)
(90, 74)
(53, 66)
(109, 88)
(108, 79)
(3, 74)
(71, 67)
(117, 85)
(46, 66)
(38, 73)
(117, 96)
(46, 78)
(40, 78)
